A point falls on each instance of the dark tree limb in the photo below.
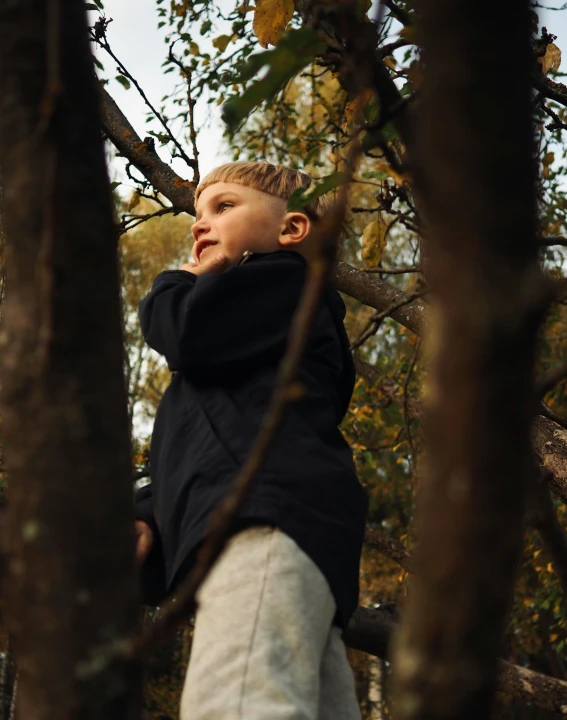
(370, 630)
(377, 539)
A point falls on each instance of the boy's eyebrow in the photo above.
(216, 198)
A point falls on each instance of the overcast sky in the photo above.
(134, 37)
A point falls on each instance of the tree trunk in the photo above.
(71, 586)
(475, 176)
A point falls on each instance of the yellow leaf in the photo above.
(374, 241)
(553, 638)
(398, 178)
(194, 48)
(134, 200)
(221, 42)
(363, 99)
(270, 20)
(551, 61)
(390, 62)
(548, 158)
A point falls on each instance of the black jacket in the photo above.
(223, 337)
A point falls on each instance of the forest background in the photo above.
(300, 113)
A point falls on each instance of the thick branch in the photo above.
(379, 294)
(180, 192)
(370, 630)
(377, 539)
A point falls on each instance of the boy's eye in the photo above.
(224, 205)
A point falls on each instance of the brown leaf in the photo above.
(270, 20)
(551, 61)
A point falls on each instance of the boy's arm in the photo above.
(152, 572)
(236, 319)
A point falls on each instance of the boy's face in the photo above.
(234, 218)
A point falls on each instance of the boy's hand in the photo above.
(144, 540)
(211, 266)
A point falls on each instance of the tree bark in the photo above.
(71, 589)
(476, 180)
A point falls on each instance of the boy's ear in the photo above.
(296, 227)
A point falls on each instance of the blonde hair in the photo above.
(277, 180)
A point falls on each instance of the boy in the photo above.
(267, 642)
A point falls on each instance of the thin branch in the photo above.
(407, 420)
(191, 102)
(550, 89)
(550, 241)
(129, 222)
(395, 271)
(100, 39)
(557, 123)
(399, 13)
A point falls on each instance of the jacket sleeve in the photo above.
(238, 318)
(152, 572)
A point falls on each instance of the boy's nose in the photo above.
(198, 228)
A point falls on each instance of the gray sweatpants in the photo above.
(264, 647)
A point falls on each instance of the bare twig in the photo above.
(399, 13)
(129, 222)
(407, 419)
(101, 40)
(557, 123)
(191, 102)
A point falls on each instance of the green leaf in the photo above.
(99, 4)
(375, 175)
(123, 81)
(301, 197)
(205, 27)
(296, 49)
(98, 63)
(91, 6)
(115, 184)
